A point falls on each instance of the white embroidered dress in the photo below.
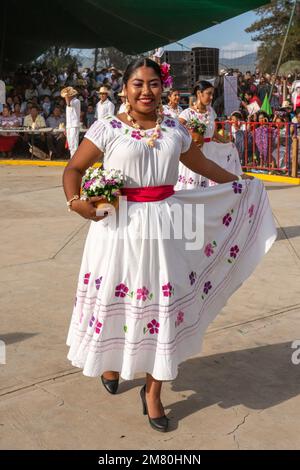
(225, 155)
(174, 113)
(142, 304)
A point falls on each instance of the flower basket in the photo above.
(106, 205)
(197, 138)
(105, 183)
(197, 130)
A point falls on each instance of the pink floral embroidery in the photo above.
(152, 327)
(136, 135)
(180, 318)
(98, 282)
(87, 278)
(227, 219)
(234, 251)
(208, 250)
(121, 290)
(143, 294)
(251, 210)
(167, 290)
(98, 327)
(182, 179)
(190, 180)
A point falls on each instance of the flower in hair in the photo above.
(167, 79)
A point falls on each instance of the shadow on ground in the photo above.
(11, 338)
(288, 232)
(257, 378)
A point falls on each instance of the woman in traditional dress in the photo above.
(213, 145)
(145, 297)
(172, 108)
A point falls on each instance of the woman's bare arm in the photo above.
(86, 155)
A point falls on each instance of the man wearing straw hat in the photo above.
(72, 118)
(104, 107)
(122, 108)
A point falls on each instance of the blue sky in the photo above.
(228, 36)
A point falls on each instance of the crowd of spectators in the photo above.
(267, 117)
(33, 96)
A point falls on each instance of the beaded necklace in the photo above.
(156, 132)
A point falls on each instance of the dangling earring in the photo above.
(160, 108)
(127, 106)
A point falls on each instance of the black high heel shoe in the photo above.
(110, 385)
(159, 424)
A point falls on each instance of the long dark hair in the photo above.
(202, 86)
(136, 64)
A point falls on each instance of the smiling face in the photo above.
(143, 90)
(174, 98)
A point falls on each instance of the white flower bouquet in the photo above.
(105, 183)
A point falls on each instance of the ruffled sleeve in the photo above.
(185, 114)
(186, 138)
(100, 134)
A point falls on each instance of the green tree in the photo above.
(270, 29)
(110, 56)
(58, 58)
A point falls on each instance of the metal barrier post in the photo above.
(295, 148)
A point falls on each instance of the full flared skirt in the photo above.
(145, 299)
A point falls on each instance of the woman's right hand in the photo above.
(87, 209)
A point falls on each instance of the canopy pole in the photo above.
(283, 45)
(3, 36)
(96, 54)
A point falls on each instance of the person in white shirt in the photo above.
(72, 118)
(295, 85)
(172, 108)
(122, 108)
(104, 107)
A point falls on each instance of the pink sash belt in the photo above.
(148, 194)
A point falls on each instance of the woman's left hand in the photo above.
(244, 176)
